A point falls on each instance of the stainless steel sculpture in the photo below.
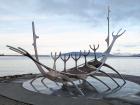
(97, 63)
(79, 72)
(69, 75)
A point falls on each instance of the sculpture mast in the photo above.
(108, 20)
(34, 41)
(35, 49)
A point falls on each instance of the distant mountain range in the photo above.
(135, 55)
(2, 54)
(99, 54)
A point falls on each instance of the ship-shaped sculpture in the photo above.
(79, 72)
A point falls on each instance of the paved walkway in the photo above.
(17, 92)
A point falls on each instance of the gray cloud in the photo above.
(83, 8)
(121, 9)
(17, 7)
(132, 45)
(89, 10)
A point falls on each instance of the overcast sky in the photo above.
(68, 25)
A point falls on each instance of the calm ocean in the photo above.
(11, 65)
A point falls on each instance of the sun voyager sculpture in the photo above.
(79, 73)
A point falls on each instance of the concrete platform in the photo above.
(17, 92)
(126, 92)
(26, 93)
(49, 87)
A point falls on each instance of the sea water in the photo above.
(14, 65)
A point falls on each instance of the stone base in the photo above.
(100, 90)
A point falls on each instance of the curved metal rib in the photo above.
(31, 82)
(98, 63)
(42, 81)
(106, 65)
(95, 77)
(101, 81)
(110, 78)
(79, 90)
(84, 80)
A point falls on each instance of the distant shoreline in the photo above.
(98, 54)
(132, 78)
(88, 56)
